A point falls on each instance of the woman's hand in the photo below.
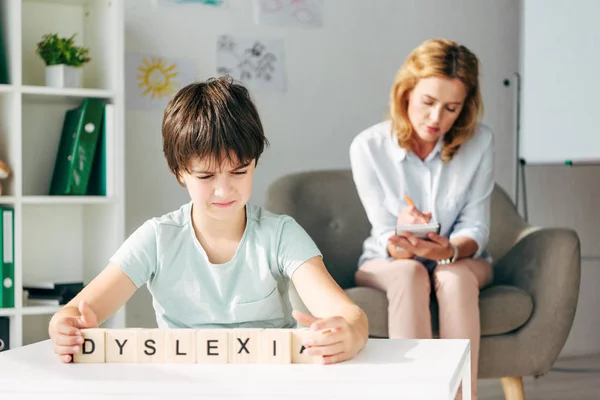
(437, 248)
(65, 331)
(338, 343)
(410, 215)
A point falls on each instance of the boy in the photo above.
(218, 262)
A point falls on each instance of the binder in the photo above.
(77, 149)
(4, 333)
(7, 287)
(98, 176)
(3, 56)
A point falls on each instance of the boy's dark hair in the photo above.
(215, 119)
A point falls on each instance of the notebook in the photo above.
(419, 230)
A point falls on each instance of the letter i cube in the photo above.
(275, 346)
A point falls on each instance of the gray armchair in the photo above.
(526, 314)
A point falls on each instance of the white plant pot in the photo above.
(63, 76)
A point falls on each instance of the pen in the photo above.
(415, 211)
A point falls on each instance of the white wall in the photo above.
(339, 77)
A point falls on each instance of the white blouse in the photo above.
(457, 193)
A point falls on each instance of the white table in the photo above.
(385, 369)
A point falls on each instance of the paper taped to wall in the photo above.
(258, 63)
(152, 80)
(214, 3)
(307, 13)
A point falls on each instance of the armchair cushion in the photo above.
(502, 308)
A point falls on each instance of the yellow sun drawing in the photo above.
(156, 77)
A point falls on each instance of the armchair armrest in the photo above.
(545, 263)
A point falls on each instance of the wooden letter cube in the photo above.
(93, 348)
(180, 345)
(122, 345)
(275, 346)
(151, 346)
(244, 345)
(212, 346)
(298, 350)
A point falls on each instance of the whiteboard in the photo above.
(560, 103)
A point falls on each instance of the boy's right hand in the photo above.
(410, 215)
(65, 331)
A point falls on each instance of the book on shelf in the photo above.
(29, 302)
(4, 333)
(77, 149)
(3, 58)
(7, 283)
(97, 182)
(50, 293)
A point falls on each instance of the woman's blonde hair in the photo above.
(444, 58)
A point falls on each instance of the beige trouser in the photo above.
(407, 284)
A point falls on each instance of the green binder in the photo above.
(7, 274)
(77, 149)
(97, 182)
(3, 52)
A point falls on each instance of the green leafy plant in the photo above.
(56, 50)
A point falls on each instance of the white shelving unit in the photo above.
(58, 238)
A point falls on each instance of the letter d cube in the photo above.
(93, 348)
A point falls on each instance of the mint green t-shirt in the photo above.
(251, 290)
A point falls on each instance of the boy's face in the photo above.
(219, 191)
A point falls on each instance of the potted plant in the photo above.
(63, 60)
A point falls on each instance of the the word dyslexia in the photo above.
(207, 346)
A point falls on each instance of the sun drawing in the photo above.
(156, 77)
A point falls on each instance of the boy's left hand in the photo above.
(337, 345)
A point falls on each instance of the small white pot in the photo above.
(63, 76)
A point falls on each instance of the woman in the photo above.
(434, 150)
